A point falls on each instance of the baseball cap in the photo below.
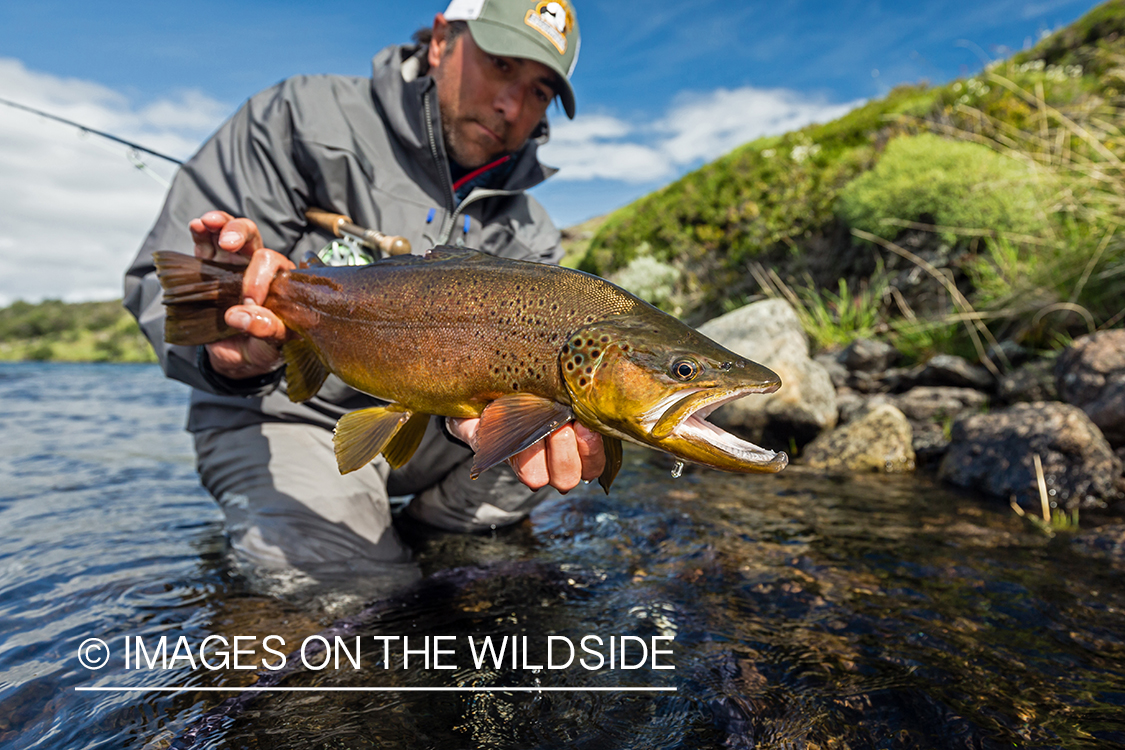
(542, 30)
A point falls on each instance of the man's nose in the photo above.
(509, 101)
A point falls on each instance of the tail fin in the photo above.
(196, 294)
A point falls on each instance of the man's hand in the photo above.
(221, 237)
(569, 455)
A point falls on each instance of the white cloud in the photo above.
(73, 209)
(696, 128)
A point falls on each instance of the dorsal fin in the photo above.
(311, 260)
(514, 422)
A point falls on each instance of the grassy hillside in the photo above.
(1008, 183)
(80, 332)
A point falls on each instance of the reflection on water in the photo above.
(807, 611)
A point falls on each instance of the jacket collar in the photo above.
(402, 86)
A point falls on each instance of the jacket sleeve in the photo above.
(247, 168)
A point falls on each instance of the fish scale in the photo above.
(524, 346)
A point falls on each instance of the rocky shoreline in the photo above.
(855, 410)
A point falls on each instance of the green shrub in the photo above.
(949, 183)
(651, 280)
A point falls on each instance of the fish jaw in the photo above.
(682, 430)
(622, 382)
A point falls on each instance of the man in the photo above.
(438, 146)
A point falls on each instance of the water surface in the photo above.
(806, 611)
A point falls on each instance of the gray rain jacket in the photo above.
(371, 149)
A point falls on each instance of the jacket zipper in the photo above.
(443, 168)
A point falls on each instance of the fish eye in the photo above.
(685, 369)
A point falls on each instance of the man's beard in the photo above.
(456, 150)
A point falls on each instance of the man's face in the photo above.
(489, 105)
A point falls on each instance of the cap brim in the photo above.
(499, 39)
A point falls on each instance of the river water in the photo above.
(797, 610)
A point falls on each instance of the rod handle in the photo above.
(339, 223)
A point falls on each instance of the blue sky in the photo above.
(661, 88)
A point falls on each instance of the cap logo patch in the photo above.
(552, 19)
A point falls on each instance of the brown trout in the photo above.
(524, 346)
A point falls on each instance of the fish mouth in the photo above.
(683, 418)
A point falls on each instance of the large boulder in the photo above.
(879, 440)
(994, 453)
(770, 333)
(1090, 374)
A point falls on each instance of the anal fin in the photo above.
(361, 435)
(613, 453)
(304, 372)
(406, 440)
(514, 422)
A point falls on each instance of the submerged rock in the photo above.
(994, 453)
(879, 439)
(1090, 374)
(770, 333)
(1104, 541)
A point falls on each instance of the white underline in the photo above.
(166, 689)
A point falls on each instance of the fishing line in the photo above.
(132, 155)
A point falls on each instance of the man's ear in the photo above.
(439, 41)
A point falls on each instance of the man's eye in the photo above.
(544, 96)
(501, 64)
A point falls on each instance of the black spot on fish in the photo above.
(569, 366)
(589, 370)
(605, 339)
(596, 353)
(581, 381)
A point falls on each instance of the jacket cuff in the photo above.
(259, 385)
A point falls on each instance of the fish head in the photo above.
(654, 382)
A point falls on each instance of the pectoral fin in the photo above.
(304, 372)
(513, 422)
(361, 435)
(612, 447)
(406, 440)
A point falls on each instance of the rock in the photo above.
(930, 410)
(868, 355)
(851, 404)
(1090, 374)
(836, 371)
(1104, 541)
(993, 453)
(1009, 354)
(938, 403)
(878, 440)
(770, 333)
(947, 369)
(1034, 381)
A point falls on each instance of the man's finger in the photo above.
(530, 465)
(239, 236)
(264, 265)
(563, 462)
(205, 233)
(259, 322)
(591, 450)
